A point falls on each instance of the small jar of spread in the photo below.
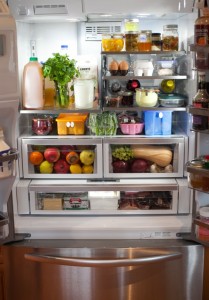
(145, 40)
(156, 42)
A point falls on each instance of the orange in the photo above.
(87, 169)
(36, 158)
(75, 169)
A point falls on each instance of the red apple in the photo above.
(52, 154)
(61, 167)
(65, 149)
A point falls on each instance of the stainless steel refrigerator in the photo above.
(93, 255)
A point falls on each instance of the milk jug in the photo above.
(33, 85)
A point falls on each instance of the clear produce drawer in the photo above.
(81, 197)
(144, 157)
(60, 158)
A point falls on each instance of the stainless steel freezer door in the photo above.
(171, 270)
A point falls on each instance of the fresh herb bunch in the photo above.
(60, 68)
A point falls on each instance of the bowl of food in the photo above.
(42, 126)
(131, 128)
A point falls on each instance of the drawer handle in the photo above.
(106, 262)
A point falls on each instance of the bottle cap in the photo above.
(33, 58)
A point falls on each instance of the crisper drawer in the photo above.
(144, 157)
(61, 157)
(80, 197)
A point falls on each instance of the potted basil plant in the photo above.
(62, 70)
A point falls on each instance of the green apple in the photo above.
(87, 157)
(46, 167)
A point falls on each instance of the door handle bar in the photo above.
(105, 262)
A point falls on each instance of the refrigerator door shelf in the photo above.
(86, 146)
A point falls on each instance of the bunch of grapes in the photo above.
(122, 153)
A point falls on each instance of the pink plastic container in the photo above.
(131, 128)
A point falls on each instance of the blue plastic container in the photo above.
(158, 122)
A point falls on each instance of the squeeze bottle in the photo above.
(33, 85)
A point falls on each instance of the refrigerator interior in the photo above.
(31, 40)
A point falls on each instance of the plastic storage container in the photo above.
(203, 233)
(84, 93)
(158, 122)
(33, 85)
(103, 200)
(72, 123)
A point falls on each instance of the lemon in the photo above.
(75, 169)
(87, 169)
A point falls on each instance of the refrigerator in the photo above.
(102, 251)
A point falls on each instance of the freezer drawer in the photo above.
(140, 157)
(90, 149)
(124, 197)
(100, 270)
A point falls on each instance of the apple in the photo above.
(120, 166)
(46, 167)
(87, 157)
(65, 149)
(61, 166)
(139, 166)
(52, 154)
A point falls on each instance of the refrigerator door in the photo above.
(108, 269)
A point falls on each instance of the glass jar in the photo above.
(145, 40)
(118, 41)
(196, 180)
(107, 42)
(170, 39)
(131, 40)
(156, 42)
(131, 25)
(203, 233)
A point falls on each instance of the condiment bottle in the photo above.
(5, 167)
(167, 86)
(201, 26)
(201, 37)
(200, 100)
(33, 85)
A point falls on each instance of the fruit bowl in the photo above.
(131, 128)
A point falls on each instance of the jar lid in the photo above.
(156, 34)
(132, 32)
(125, 93)
(204, 211)
(197, 163)
(170, 26)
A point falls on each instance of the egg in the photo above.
(113, 66)
(123, 65)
